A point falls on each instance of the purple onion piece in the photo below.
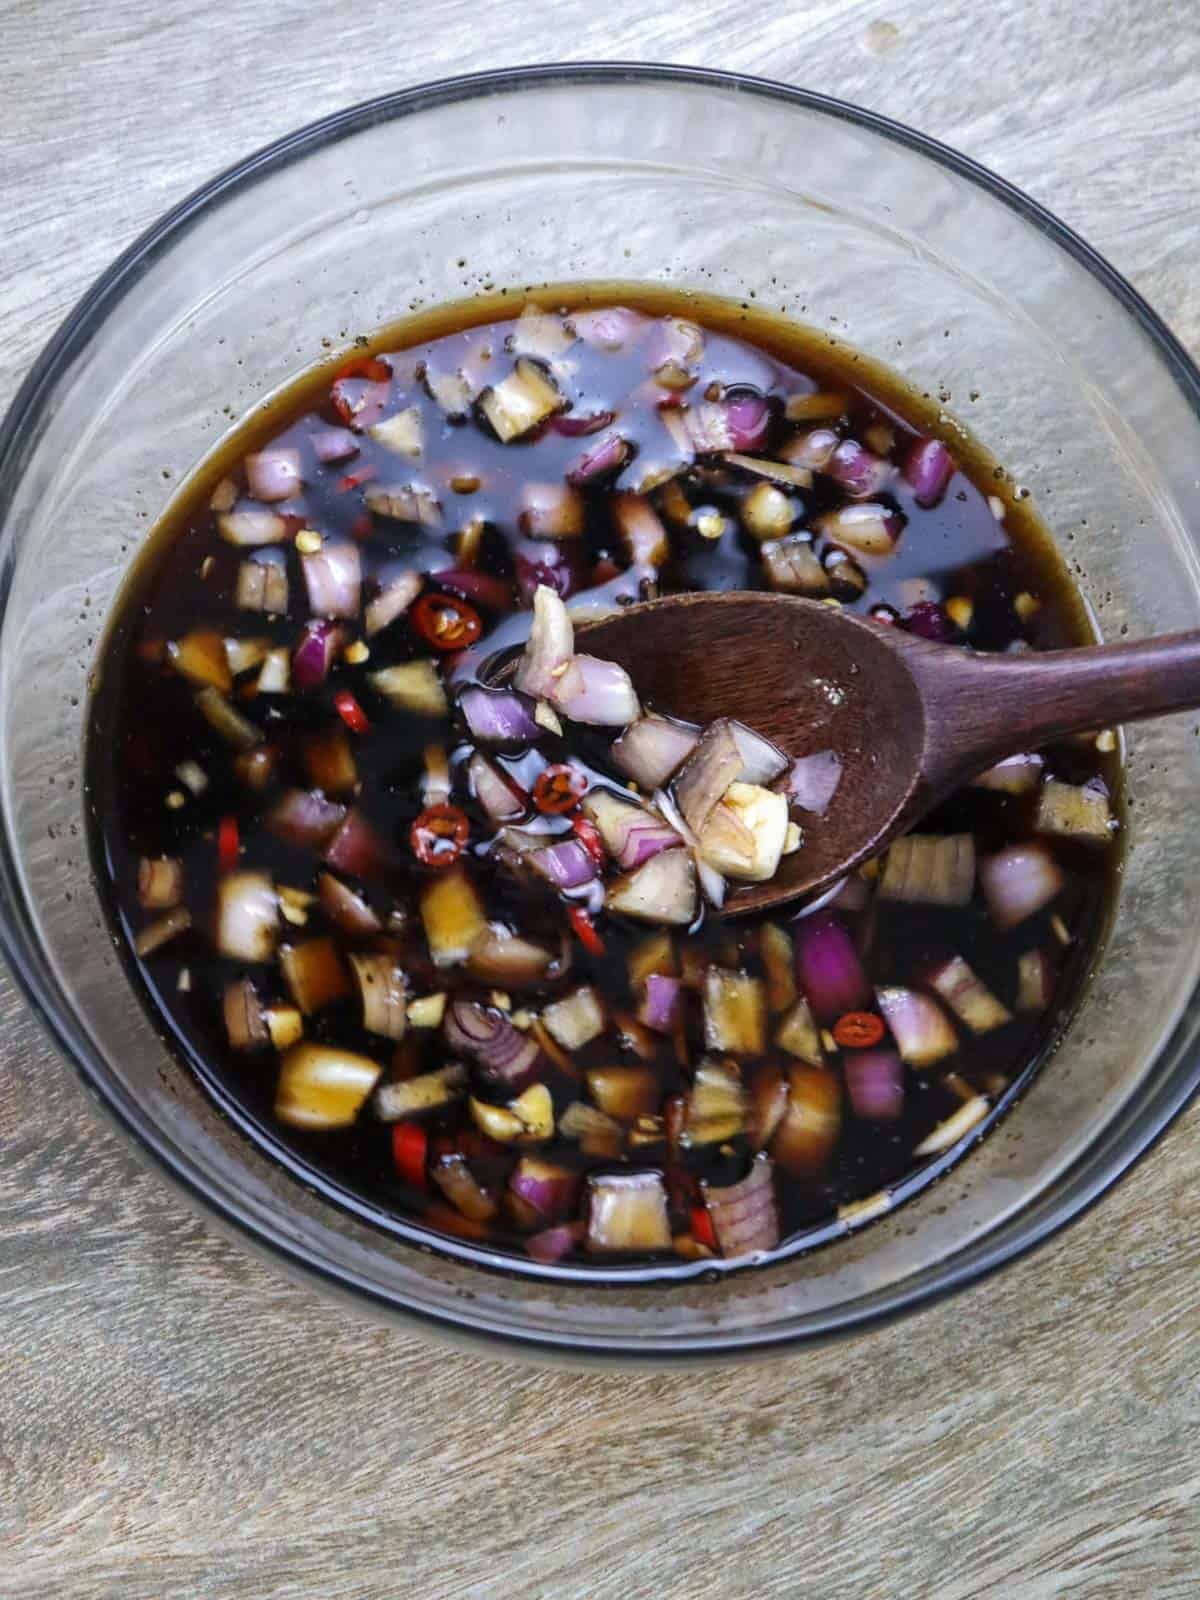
(930, 620)
(553, 1244)
(546, 562)
(858, 471)
(653, 748)
(576, 425)
(331, 445)
(875, 1084)
(508, 1058)
(661, 1006)
(498, 716)
(813, 780)
(598, 692)
(1019, 881)
(612, 328)
(273, 474)
(609, 454)
(640, 836)
(567, 865)
(928, 467)
(550, 1189)
(550, 647)
(745, 1216)
(304, 818)
(828, 969)
(333, 577)
(314, 654)
(748, 418)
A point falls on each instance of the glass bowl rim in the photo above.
(1084, 1183)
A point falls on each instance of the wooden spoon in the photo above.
(909, 720)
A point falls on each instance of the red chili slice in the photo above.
(588, 835)
(445, 622)
(228, 844)
(702, 1228)
(858, 1030)
(355, 479)
(559, 788)
(351, 713)
(410, 1146)
(439, 835)
(585, 930)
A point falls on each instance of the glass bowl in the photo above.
(743, 188)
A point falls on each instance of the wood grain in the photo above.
(177, 1421)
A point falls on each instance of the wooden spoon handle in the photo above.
(988, 707)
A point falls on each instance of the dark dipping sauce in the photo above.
(173, 779)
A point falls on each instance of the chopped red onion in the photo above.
(550, 647)
(552, 1244)
(858, 471)
(333, 577)
(496, 794)
(356, 848)
(867, 527)
(349, 911)
(813, 780)
(550, 1189)
(498, 716)
(247, 916)
(641, 530)
(660, 1009)
(747, 417)
(812, 449)
(637, 835)
(551, 511)
(922, 1031)
(875, 1084)
(392, 601)
(608, 455)
(252, 527)
(745, 1216)
(705, 426)
(662, 890)
(928, 467)
(704, 781)
(555, 565)
(576, 425)
(930, 869)
(314, 654)
(929, 619)
(597, 692)
(762, 761)
(510, 962)
(1018, 882)
(674, 342)
(508, 1058)
(828, 969)
(567, 865)
(304, 818)
(969, 999)
(273, 474)
(383, 990)
(613, 328)
(494, 593)
(331, 445)
(653, 748)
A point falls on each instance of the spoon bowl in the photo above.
(909, 720)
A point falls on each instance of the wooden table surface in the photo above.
(176, 1419)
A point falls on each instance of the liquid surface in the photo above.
(166, 784)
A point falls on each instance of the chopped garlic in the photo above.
(502, 1001)
(711, 525)
(955, 1127)
(960, 610)
(1059, 929)
(176, 800)
(356, 653)
(428, 1011)
(1106, 741)
(308, 541)
(1027, 606)
(997, 507)
(792, 839)
(546, 717)
(193, 776)
(856, 1212)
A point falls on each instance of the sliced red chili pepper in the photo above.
(702, 1228)
(360, 475)
(228, 844)
(359, 392)
(444, 621)
(858, 1030)
(362, 527)
(410, 1146)
(374, 368)
(439, 835)
(588, 835)
(559, 788)
(585, 930)
(351, 713)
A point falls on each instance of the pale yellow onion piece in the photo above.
(529, 1119)
(323, 1087)
(955, 1127)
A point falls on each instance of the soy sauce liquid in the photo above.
(143, 726)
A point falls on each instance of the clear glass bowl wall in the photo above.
(741, 189)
